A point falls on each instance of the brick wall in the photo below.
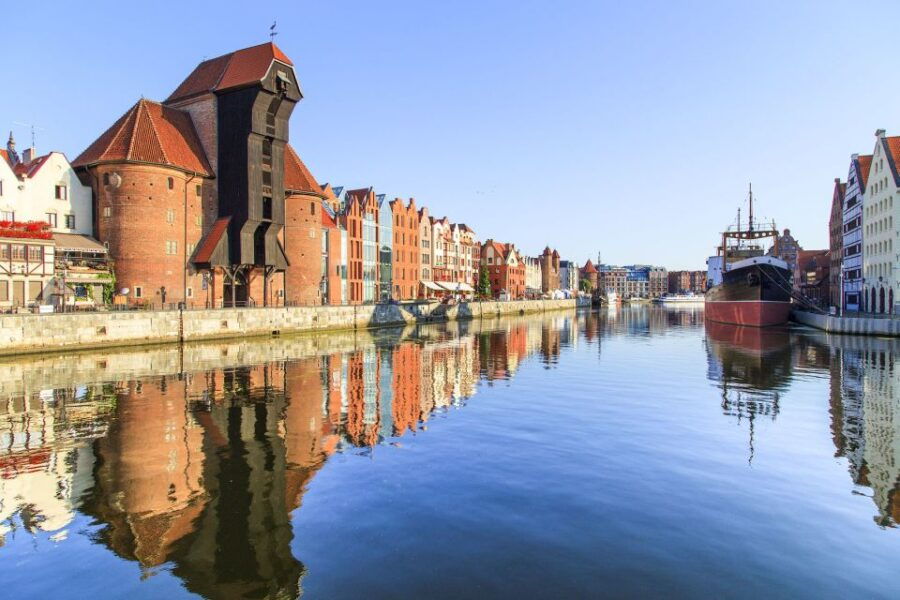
(150, 233)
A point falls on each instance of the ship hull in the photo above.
(756, 295)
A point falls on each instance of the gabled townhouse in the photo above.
(852, 231)
(880, 227)
(407, 255)
(47, 216)
(836, 242)
(506, 269)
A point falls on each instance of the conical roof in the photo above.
(149, 133)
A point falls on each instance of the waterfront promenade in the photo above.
(21, 334)
(862, 325)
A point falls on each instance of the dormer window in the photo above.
(282, 82)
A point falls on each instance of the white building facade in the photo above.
(852, 264)
(880, 203)
(44, 188)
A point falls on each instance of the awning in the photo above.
(74, 242)
(455, 287)
(432, 286)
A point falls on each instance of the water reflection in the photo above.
(192, 461)
(754, 367)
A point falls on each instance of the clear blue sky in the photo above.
(626, 128)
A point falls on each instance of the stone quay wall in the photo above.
(21, 334)
(849, 325)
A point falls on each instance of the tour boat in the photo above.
(749, 288)
(680, 299)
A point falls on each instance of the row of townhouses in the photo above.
(630, 281)
(200, 199)
(861, 258)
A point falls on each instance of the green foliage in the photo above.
(484, 283)
(109, 287)
(585, 285)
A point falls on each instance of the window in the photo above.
(267, 178)
(267, 152)
(1, 187)
(35, 254)
(17, 252)
(138, 291)
(170, 216)
(171, 247)
(171, 183)
(199, 220)
(199, 190)
(267, 208)
(70, 221)
(51, 218)
(106, 179)
(7, 215)
(62, 192)
(107, 211)
(190, 292)
(190, 248)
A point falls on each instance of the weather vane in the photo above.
(272, 32)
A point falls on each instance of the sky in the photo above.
(629, 129)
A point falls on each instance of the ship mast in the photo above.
(751, 208)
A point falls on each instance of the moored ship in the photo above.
(749, 288)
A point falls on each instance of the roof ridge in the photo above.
(115, 135)
(133, 129)
(162, 148)
(230, 56)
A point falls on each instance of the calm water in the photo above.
(622, 454)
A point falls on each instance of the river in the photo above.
(626, 453)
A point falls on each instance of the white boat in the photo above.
(681, 299)
(612, 298)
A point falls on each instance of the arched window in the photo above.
(171, 183)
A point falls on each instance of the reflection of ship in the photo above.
(753, 366)
(747, 287)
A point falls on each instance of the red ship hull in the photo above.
(755, 313)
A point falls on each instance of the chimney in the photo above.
(879, 133)
(854, 156)
(29, 155)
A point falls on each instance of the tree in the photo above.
(585, 285)
(484, 283)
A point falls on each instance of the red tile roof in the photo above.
(204, 251)
(30, 169)
(865, 163)
(893, 146)
(150, 133)
(327, 221)
(232, 70)
(297, 177)
(5, 155)
(589, 267)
